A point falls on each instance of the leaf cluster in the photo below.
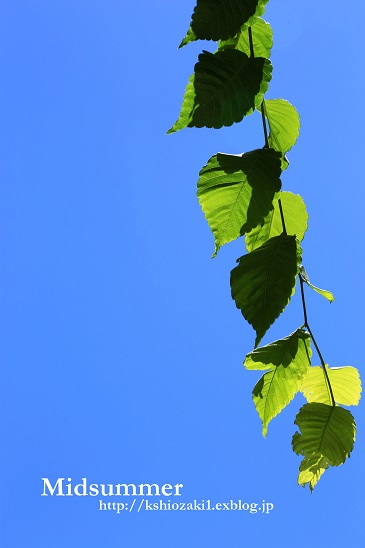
(241, 195)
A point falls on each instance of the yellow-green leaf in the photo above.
(284, 124)
(326, 294)
(296, 221)
(236, 192)
(261, 39)
(345, 383)
(289, 360)
(311, 469)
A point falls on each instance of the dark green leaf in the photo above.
(225, 87)
(296, 221)
(289, 361)
(221, 19)
(236, 192)
(263, 282)
(261, 39)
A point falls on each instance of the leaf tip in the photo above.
(173, 129)
(216, 249)
(189, 37)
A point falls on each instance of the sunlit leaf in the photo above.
(296, 221)
(221, 19)
(345, 383)
(288, 360)
(236, 192)
(311, 469)
(284, 124)
(326, 294)
(282, 352)
(263, 281)
(327, 438)
(262, 39)
(225, 87)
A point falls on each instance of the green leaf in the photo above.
(221, 19)
(345, 383)
(311, 469)
(325, 430)
(225, 87)
(281, 353)
(327, 438)
(326, 294)
(296, 221)
(262, 39)
(284, 124)
(288, 360)
(263, 281)
(236, 192)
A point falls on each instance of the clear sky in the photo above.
(121, 348)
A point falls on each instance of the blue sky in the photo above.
(121, 347)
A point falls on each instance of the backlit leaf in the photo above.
(327, 438)
(225, 87)
(282, 352)
(326, 294)
(284, 124)
(311, 469)
(236, 192)
(288, 360)
(345, 383)
(261, 39)
(263, 281)
(296, 221)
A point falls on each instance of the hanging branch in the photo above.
(238, 196)
(306, 324)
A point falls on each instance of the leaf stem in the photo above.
(252, 52)
(306, 324)
(282, 217)
(264, 123)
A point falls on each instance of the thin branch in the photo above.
(315, 343)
